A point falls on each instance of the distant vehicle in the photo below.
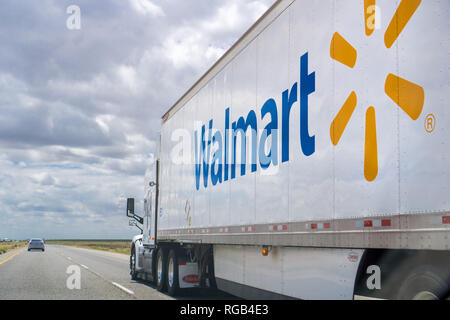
(36, 244)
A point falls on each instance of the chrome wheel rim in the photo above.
(425, 295)
(171, 272)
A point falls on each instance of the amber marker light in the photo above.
(265, 251)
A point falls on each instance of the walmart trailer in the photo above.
(311, 161)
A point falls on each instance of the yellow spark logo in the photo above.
(408, 96)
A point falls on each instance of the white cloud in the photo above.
(44, 179)
(146, 7)
(234, 16)
(127, 75)
(81, 111)
(103, 120)
(200, 43)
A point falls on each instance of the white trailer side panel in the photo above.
(424, 159)
(325, 273)
(221, 195)
(404, 197)
(273, 67)
(312, 179)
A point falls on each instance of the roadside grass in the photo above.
(118, 246)
(7, 246)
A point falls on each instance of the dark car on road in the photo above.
(36, 244)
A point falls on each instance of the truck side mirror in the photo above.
(130, 207)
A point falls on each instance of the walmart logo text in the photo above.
(216, 151)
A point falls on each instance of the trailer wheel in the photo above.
(173, 282)
(133, 264)
(423, 283)
(161, 269)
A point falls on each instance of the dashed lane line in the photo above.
(130, 292)
(123, 288)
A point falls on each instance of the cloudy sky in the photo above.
(81, 108)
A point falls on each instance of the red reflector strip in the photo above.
(446, 220)
(386, 223)
(181, 263)
(317, 226)
(278, 227)
(368, 223)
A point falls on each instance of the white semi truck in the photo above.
(311, 161)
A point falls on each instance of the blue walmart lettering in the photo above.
(219, 168)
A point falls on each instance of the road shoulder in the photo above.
(11, 254)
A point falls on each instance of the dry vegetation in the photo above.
(6, 246)
(119, 246)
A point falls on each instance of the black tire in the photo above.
(211, 273)
(29, 249)
(423, 283)
(173, 281)
(43, 250)
(133, 272)
(161, 269)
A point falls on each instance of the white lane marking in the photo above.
(122, 288)
(114, 283)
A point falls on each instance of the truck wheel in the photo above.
(173, 283)
(161, 269)
(423, 283)
(133, 264)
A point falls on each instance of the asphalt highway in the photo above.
(69, 273)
